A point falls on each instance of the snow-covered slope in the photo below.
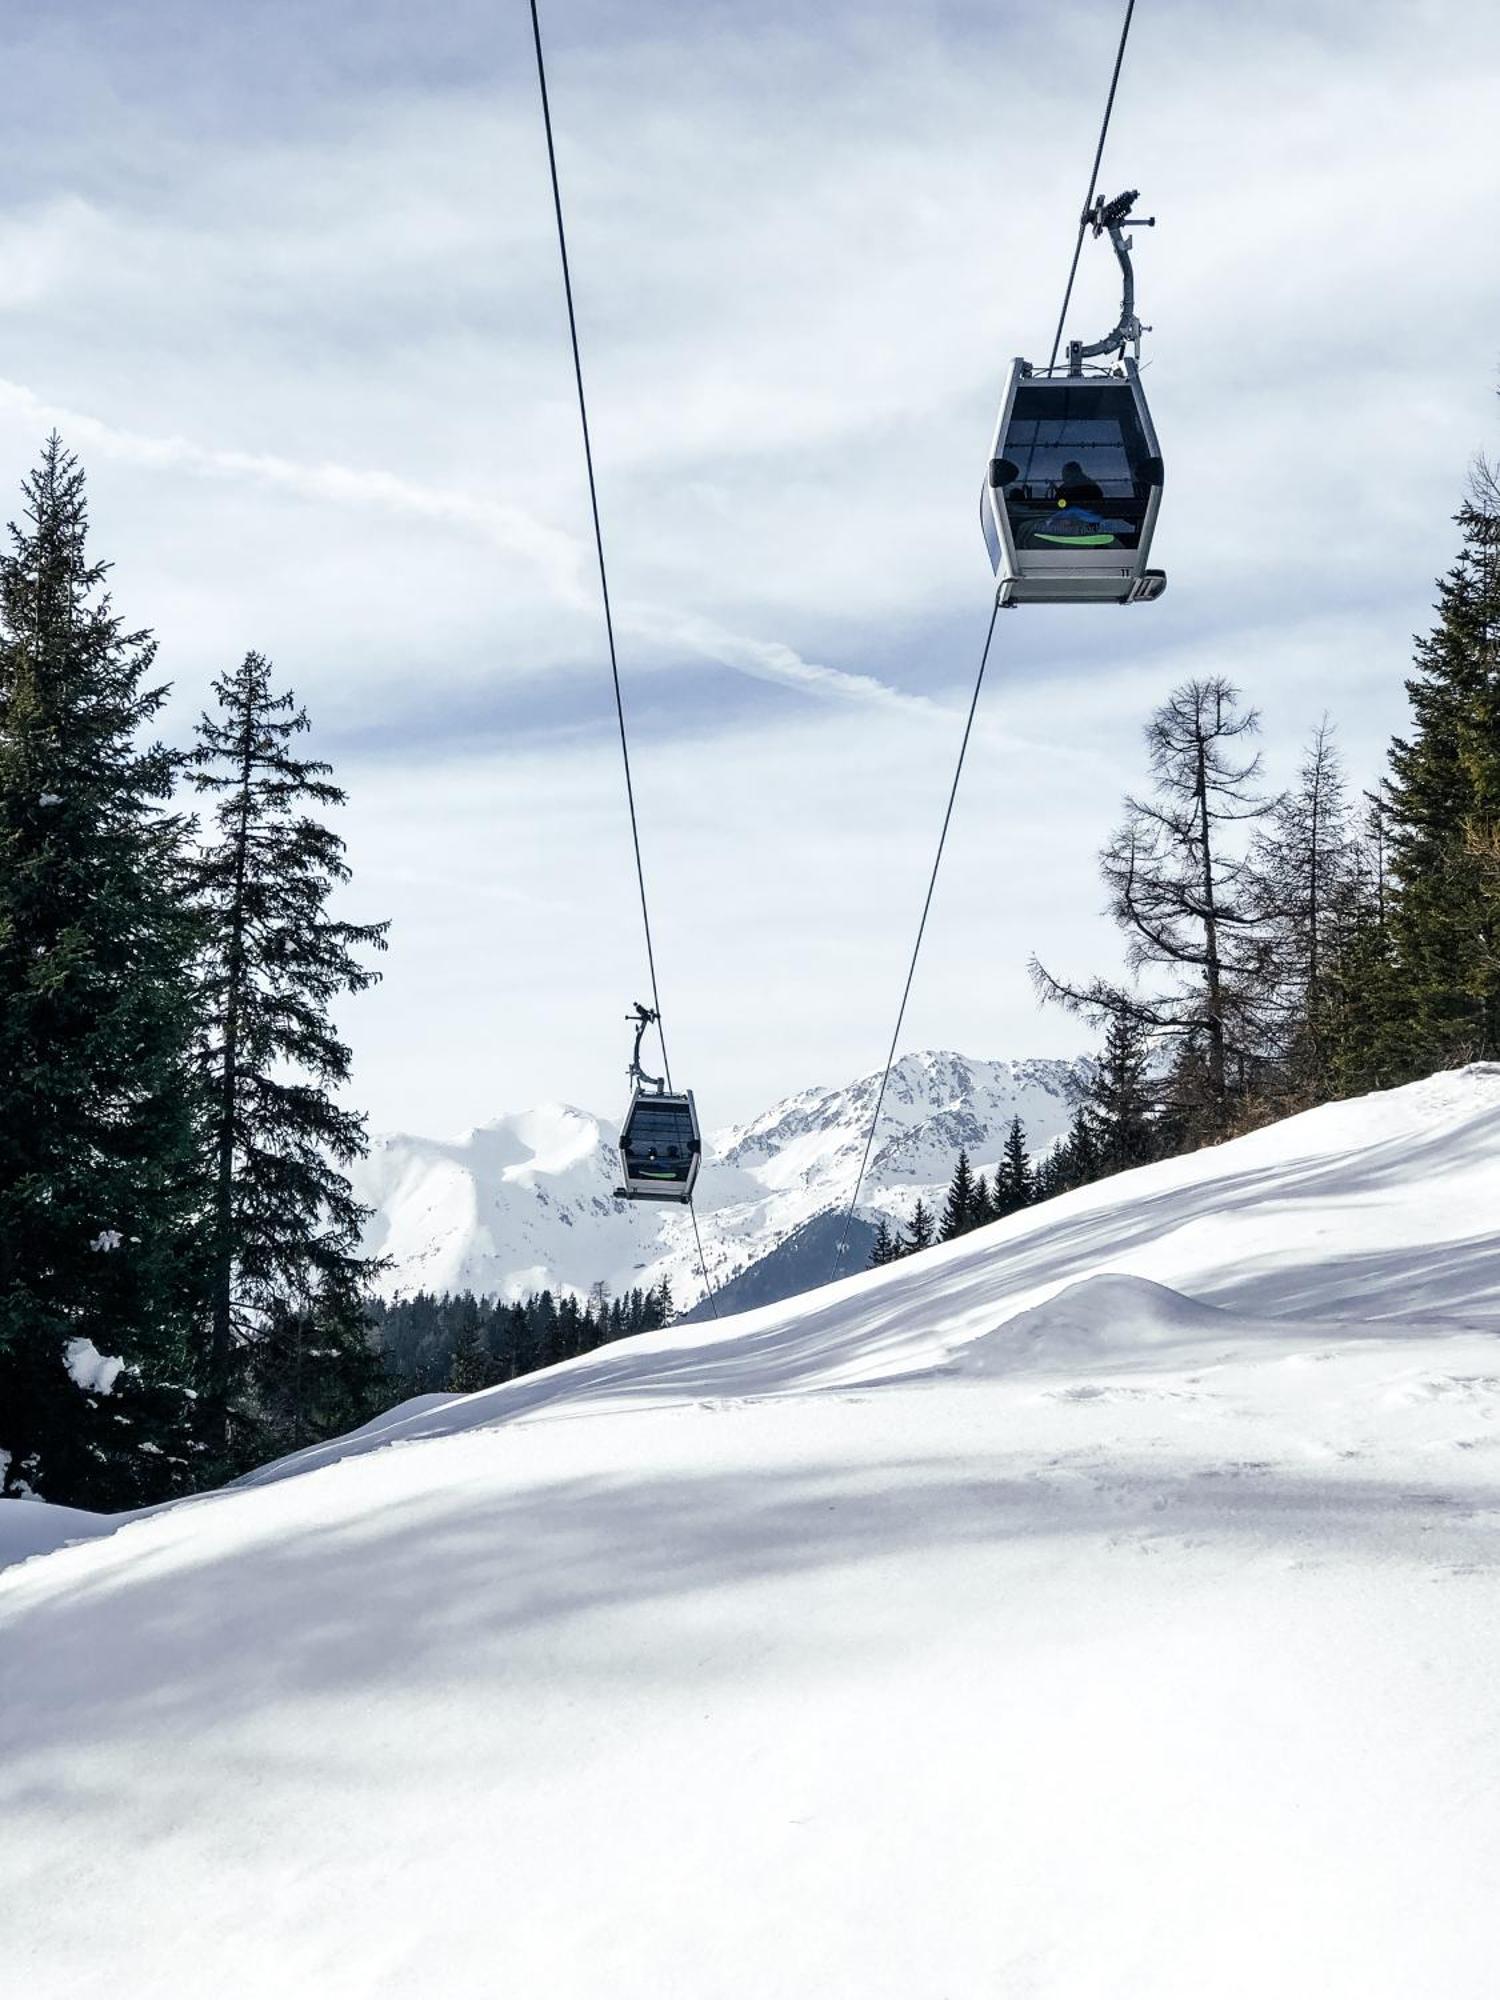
(526, 1201)
(1105, 1604)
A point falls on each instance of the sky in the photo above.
(286, 280)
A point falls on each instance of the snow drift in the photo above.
(1105, 1604)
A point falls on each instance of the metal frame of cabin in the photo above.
(1029, 575)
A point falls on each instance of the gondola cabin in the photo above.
(660, 1146)
(1072, 489)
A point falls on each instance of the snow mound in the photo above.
(35, 1528)
(1111, 1317)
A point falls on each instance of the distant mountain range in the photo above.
(526, 1201)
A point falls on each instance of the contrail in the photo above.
(554, 554)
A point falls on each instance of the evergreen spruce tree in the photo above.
(473, 1366)
(471, 1369)
(885, 1249)
(1049, 1176)
(433, 1357)
(959, 1209)
(285, 1225)
(1443, 810)
(97, 1134)
(517, 1341)
(1015, 1186)
(1079, 1153)
(397, 1332)
(595, 1323)
(314, 1373)
(1121, 1104)
(1368, 1027)
(920, 1233)
(1189, 1114)
(546, 1345)
(1304, 857)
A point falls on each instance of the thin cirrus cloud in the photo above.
(554, 556)
(557, 560)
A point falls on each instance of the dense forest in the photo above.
(460, 1343)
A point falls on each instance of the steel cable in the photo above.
(838, 1257)
(917, 947)
(609, 623)
(1088, 200)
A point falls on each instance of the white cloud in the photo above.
(767, 660)
(555, 556)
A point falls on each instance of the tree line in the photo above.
(973, 1200)
(1286, 949)
(457, 1342)
(182, 1292)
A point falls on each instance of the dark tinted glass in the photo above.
(658, 1138)
(1082, 466)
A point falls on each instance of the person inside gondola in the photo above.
(1076, 489)
(1076, 519)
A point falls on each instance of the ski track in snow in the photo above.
(1103, 1605)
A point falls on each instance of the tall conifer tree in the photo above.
(921, 1230)
(886, 1247)
(959, 1214)
(285, 1225)
(1078, 1154)
(473, 1365)
(1443, 809)
(1368, 1032)
(1305, 859)
(1015, 1183)
(96, 1099)
(1121, 1101)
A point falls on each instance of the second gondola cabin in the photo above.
(1072, 489)
(661, 1147)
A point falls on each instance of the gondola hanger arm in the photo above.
(643, 1017)
(1108, 218)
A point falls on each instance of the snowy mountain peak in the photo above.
(526, 1200)
(935, 1103)
(549, 1139)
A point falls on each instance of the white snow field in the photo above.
(1105, 1605)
